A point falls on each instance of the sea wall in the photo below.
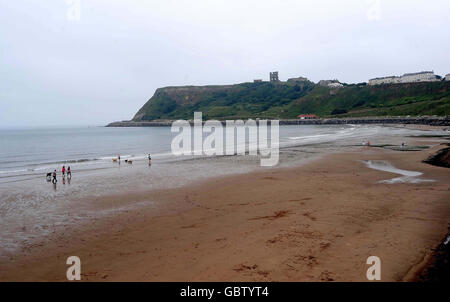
(432, 121)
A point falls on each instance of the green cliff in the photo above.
(289, 99)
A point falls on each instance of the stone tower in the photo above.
(274, 76)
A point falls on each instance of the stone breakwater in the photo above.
(431, 121)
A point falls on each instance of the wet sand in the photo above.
(317, 222)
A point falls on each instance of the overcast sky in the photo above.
(90, 62)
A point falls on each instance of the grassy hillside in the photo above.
(287, 100)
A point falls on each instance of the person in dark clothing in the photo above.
(69, 173)
(54, 180)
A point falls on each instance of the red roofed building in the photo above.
(307, 116)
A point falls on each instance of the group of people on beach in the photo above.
(368, 144)
(64, 171)
(67, 171)
(130, 161)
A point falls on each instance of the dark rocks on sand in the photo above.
(440, 158)
(438, 267)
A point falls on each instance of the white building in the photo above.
(423, 76)
(335, 85)
(384, 80)
(447, 77)
(299, 79)
(330, 83)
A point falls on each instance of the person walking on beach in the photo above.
(118, 157)
(69, 173)
(54, 177)
(63, 171)
(149, 159)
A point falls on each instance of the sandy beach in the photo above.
(315, 222)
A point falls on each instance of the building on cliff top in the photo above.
(299, 79)
(423, 76)
(330, 83)
(274, 76)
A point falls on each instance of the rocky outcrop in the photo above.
(441, 158)
(287, 100)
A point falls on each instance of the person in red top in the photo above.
(63, 170)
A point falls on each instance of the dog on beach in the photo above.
(49, 176)
(114, 159)
(128, 161)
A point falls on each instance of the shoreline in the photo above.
(401, 121)
(262, 226)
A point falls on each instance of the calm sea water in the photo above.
(28, 153)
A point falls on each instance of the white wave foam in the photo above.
(13, 171)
